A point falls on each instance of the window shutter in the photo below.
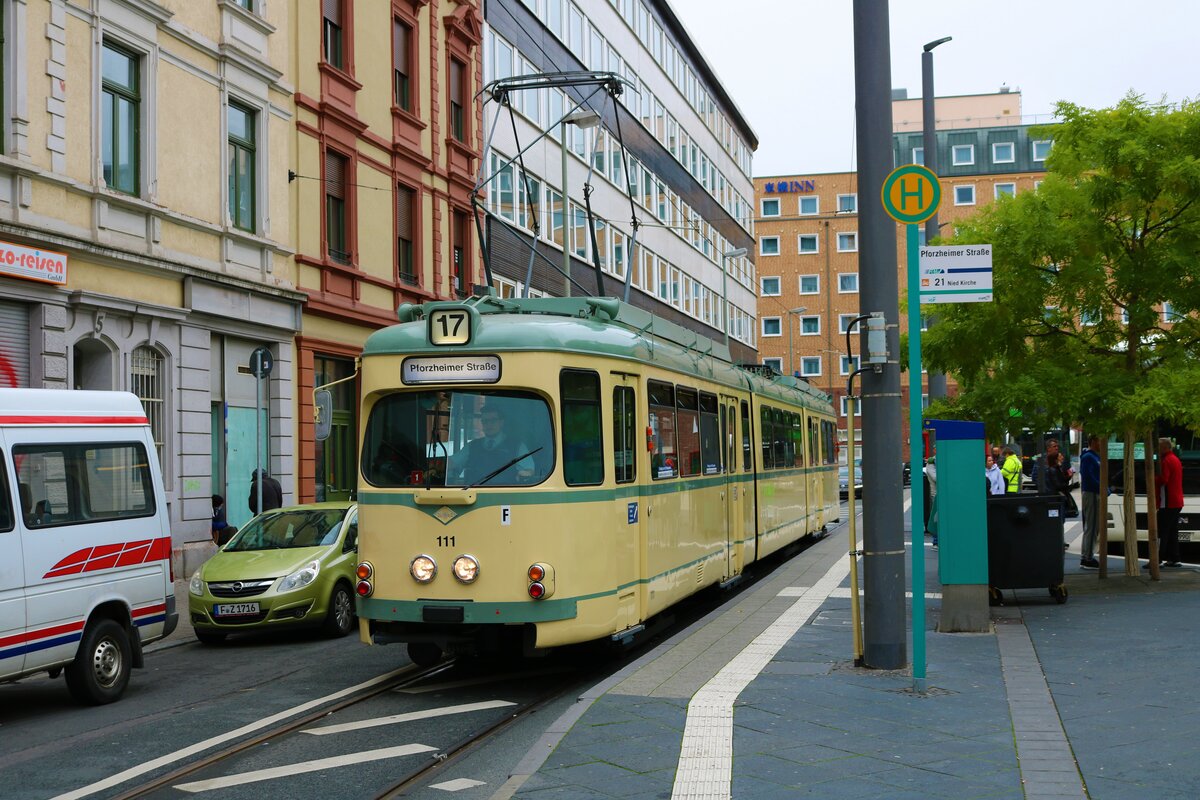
(404, 212)
(332, 10)
(335, 175)
(400, 47)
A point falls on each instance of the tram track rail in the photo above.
(407, 677)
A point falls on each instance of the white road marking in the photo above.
(304, 766)
(457, 785)
(199, 747)
(844, 591)
(428, 713)
(705, 770)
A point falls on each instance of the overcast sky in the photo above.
(789, 64)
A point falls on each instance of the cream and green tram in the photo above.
(549, 471)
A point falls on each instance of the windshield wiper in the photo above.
(497, 471)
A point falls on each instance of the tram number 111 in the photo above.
(445, 541)
(449, 326)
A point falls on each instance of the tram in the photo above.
(542, 472)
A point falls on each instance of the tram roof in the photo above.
(602, 326)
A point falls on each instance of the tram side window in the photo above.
(747, 444)
(687, 418)
(798, 439)
(766, 433)
(663, 456)
(583, 456)
(813, 428)
(829, 442)
(624, 438)
(710, 435)
(782, 458)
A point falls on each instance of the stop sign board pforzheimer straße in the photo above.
(911, 194)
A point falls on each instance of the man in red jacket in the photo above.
(1169, 483)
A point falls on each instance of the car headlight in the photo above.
(301, 577)
(196, 584)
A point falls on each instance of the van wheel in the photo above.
(340, 618)
(100, 671)
(424, 654)
(209, 637)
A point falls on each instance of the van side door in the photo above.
(12, 575)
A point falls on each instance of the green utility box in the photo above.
(960, 505)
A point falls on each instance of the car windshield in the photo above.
(288, 528)
(458, 438)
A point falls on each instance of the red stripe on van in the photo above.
(92, 559)
(43, 633)
(29, 419)
(156, 608)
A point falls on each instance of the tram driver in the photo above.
(480, 457)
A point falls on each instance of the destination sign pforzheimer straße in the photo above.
(956, 274)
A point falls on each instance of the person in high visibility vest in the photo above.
(1011, 470)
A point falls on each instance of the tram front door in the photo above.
(734, 491)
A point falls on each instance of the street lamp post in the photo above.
(792, 353)
(736, 252)
(937, 380)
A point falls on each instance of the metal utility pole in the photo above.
(937, 380)
(884, 628)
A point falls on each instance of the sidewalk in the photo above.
(183, 632)
(1093, 698)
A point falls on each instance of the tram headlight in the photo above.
(423, 568)
(466, 568)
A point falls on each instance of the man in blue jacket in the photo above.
(1089, 483)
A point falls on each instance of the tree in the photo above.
(1085, 271)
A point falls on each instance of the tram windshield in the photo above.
(458, 438)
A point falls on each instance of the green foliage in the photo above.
(1114, 228)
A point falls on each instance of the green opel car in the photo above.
(289, 567)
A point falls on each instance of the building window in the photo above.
(844, 321)
(1089, 317)
(241, 166)
(772, 326)
(1005, 190)
(1041, 149)
(770, 207)
(770, 287)
(809, 205)
(332, 33)
(1004, 153)
(146, 381)
(962, 155)
(1169, 314)
(847, 203)
(807, 243)
(120, 113)
(774, 363)
(857, 407)
(847, 282)
(849, 363)
(847, 242)
(401, 64)
(458, 122)
(810, 284)
(768, 246)
(810, 366)
(337, 223)
(406, 268)
(810, 326)
(918, 155)
(964, 195)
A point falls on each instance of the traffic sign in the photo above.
(956, 274)
(911, 194)
(261, 362)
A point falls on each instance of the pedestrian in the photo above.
(1168, 480)
(995, 480)
(1089, 482)
(929, 482)
(272, 492)
(1010, 468)
(1056, 475)
(219, 523)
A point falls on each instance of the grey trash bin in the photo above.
(1025, 544)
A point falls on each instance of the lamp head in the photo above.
(583, 118)
(936, 42)
(737, 252)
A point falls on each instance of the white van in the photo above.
(85, 539)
